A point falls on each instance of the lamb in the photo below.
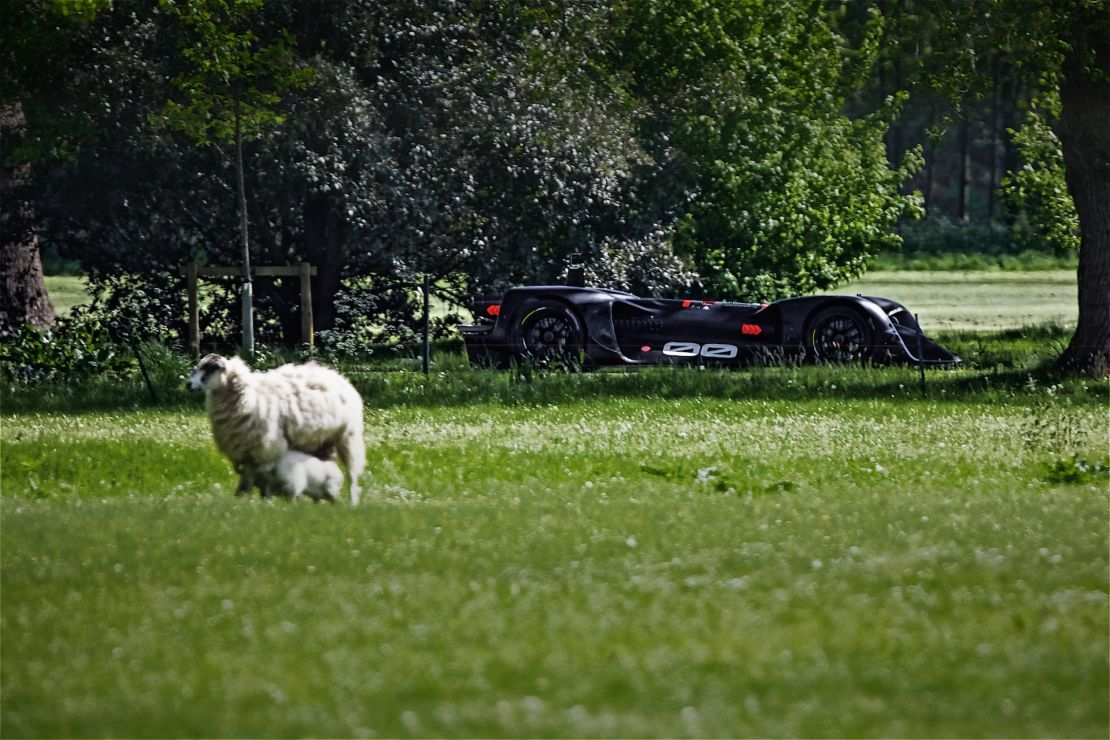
(257, 417)
(296, 473)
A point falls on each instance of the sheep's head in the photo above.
(208, 374)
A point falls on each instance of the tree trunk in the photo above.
(1085, 137)
(24, 299)
(965, 168)
(994, 154)
(326, 249)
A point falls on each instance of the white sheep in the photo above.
(296, 473)
(257, 417)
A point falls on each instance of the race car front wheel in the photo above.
(839, 334)
(548, 332)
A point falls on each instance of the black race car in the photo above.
(593, 327)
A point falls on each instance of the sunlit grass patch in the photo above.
(977, 300)
(66, 291)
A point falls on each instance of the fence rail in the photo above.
(193, 272)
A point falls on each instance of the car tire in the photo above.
(839, 334)
(548, 333)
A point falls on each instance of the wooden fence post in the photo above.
(304, 270)
(308, 337)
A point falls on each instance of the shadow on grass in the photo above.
(1007, 366)
(459, 388)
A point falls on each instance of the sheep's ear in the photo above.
(212, 362)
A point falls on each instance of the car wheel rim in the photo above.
(548, 337)
(840, 339)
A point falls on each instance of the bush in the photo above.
(373, 317)
(102, 339)
(77, 347)
(940, 244)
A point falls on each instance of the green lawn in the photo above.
(808, 552)
(978, 300)
(66, 291)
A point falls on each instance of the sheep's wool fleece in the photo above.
(301, 473)
(257, 416)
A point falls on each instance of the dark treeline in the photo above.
(990, 155)
(744, 150)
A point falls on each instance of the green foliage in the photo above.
(40, 43)
(1076, 471)
(101, 339)
(941, 244)
(786, 193)
(1037, 192)
(76, 348)
(670, 143)
(235, 80)
(382, 319)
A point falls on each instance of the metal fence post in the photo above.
(920, 354)
(427, 321)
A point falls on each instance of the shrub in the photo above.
(940, 244)
(76, 348)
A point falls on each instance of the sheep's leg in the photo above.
(353, 454)
(246, 481)
(331, 488)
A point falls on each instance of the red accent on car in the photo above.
(687, 303)
(645, 348)
(494, 309)
(751, 329)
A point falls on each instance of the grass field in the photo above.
(66, 291)
(978, 300)
(657, 554)
(814, 551)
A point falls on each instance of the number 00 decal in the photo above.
(693, 349)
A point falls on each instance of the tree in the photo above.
(27, 78)
(784, 193)
(1062, 46)
(1085, 136)
(23, 299)
(1038, 189)
(434, 137)
(231, 93)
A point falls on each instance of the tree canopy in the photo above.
(741, 149)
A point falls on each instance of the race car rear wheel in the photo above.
(549, 332)
(839, 334)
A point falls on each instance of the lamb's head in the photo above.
(209, 373)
